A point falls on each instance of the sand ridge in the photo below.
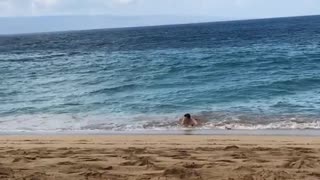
(159, 157)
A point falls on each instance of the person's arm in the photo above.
(195, 122)
(181, 121)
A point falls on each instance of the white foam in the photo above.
(273, 125)
(70, 123)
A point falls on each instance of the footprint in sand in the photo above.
(37, 176)
(24, 159)
(315, 174)
(133, 150)
(239, 155)
(245, 169)
(65, 163)
(6, 173)
(72, 168)
(265, 175)
(141, 161)
(182, 173)
(302, 150)
(193, 165)
(231, 148)
(302, 162)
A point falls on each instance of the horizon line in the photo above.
(142, 26)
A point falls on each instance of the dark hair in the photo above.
(187, 115)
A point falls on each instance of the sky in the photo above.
(204, 10)
(217, 8)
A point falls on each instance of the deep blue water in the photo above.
(245, 74)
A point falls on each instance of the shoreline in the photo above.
(122, 157)
(195, 132)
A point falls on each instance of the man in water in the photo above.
(188, 121)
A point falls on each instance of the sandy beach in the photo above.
(159, 157)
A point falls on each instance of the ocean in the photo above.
(246, 75)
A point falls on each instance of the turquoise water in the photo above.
(258, 74)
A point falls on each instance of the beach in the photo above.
(77, 157)
(107, 103)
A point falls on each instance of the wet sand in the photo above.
(159, 157)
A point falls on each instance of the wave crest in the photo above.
(70, 123)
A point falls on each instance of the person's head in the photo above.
(187, 116)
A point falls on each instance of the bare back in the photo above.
(189, 122)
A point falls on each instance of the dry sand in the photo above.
(159, 157)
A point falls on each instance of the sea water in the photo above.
(245, 75)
